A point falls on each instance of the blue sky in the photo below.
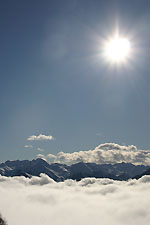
(53, 81)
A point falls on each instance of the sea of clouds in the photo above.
(40, 200)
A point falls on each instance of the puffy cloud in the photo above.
(114, 146)
(104, 153)
(28, 146)
(40, 200)
(40, 137)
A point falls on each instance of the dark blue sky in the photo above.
(53, 82)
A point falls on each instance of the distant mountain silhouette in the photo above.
(60, 172)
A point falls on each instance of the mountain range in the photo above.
(61, 172)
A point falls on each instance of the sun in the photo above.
(117, 49)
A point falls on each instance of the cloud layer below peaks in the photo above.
(40, 200)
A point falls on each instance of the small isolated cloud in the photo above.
(104, 153)
(40, 137)
(40, 200)
(28, 146)
(40, 149)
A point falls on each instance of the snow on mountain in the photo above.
(60, 172)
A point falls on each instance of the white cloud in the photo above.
(40, 200)
(114, 146)
(104, 153)
(40, 137)
(40, 149)
(28, 146)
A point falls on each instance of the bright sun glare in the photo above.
(117, 50)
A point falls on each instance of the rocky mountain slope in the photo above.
(60, 172)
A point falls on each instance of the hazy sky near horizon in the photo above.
(54, 82)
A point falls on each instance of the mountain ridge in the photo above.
(77, 171)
